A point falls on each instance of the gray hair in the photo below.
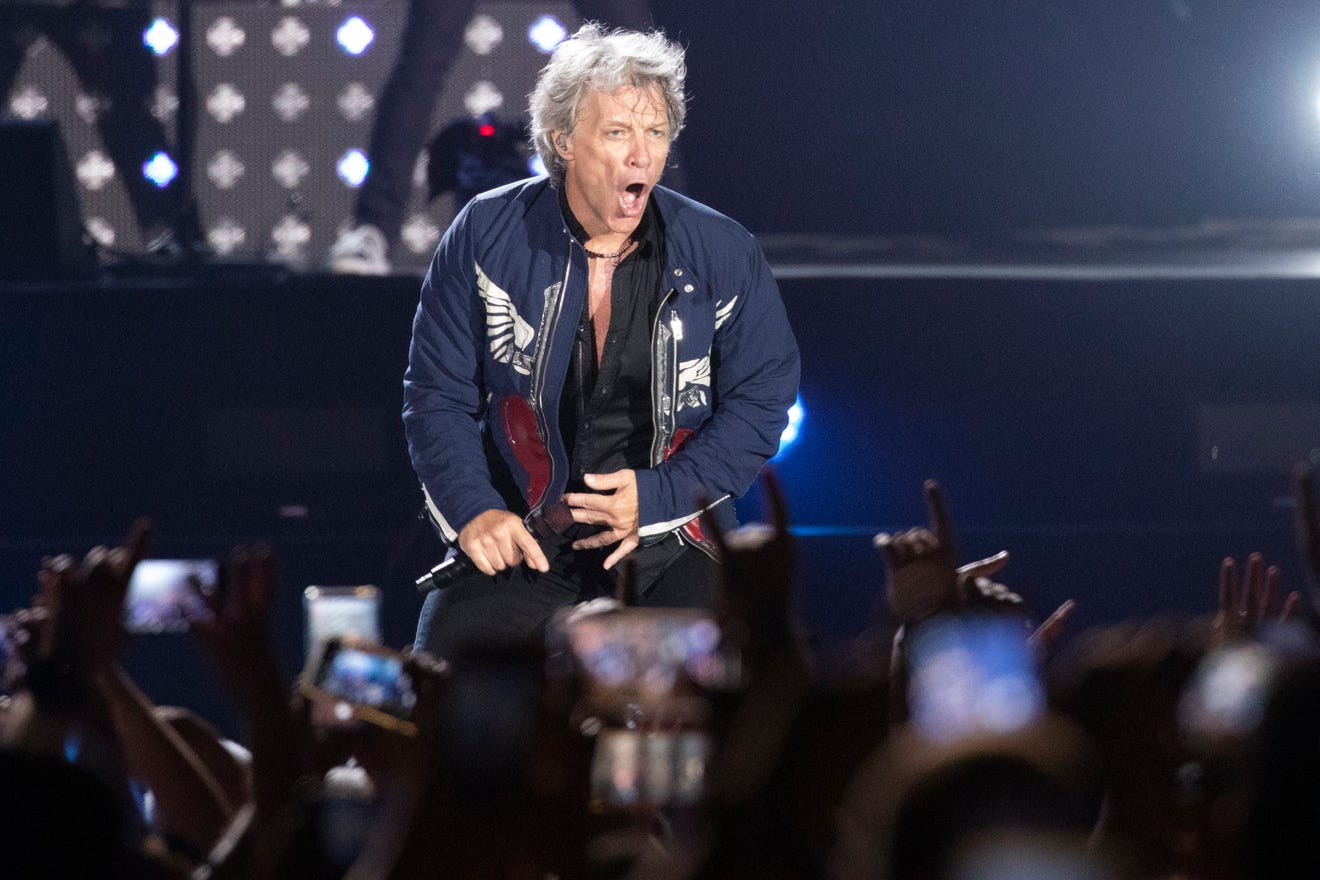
(597, 59)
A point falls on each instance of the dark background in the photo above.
(975, 117)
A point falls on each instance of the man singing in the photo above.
(593, 346)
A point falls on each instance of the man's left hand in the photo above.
(613, 505)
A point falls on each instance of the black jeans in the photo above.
(104, 48)
(510, 609)
(432, 39)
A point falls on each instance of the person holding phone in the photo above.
(591, 342)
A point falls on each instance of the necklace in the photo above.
(614, 256)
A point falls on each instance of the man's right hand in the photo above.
(497, 539)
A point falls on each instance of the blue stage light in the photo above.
(797, 415)
(546, 33)
(161, 37)
(355, 35)
(353, 167)
(536, 166)
(160, 170)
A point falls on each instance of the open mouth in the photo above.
(631, 199)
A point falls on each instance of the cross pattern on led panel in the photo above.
(282, 101)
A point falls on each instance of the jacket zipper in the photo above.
(538, 378)
(660, 438)
(675, 337)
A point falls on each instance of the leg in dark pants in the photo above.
(691, 580)
(432, 38)
(104, 48)
(127, 73)
(510, 610)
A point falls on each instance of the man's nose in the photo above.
(638, 154)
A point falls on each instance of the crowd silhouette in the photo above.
(968, 736)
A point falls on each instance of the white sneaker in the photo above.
(360, 250)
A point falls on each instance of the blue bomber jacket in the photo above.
(491, 344)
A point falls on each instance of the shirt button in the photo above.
(688, 288)
(678, 271)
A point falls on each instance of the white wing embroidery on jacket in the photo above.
(722, 312)
(693, 380)
(506, 330)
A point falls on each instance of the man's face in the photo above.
(614, 157)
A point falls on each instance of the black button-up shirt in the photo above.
(605, 412)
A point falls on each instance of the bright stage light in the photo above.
(546, 33)
(161, 37)
(797, 414)
(355, 35)
(160, 170)
(536, 166)
(353, 167)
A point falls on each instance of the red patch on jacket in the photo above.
(693, 527)
(520, 428)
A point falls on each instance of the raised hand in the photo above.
(71, 640)
(236, 635)
(84, 602)
(984, 568)
(981, 593)
(236, 632)
(922, 564)
(408, 770)
(758, 569)
(1247, 603)
(758, 560)
(1045, 635)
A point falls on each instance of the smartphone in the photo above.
(648, 769)
(356, 680)
(1012, 855)
(162, 597)
(1225, 699)
(644, 656)
(338, 611)
(972, 674)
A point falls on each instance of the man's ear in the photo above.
(560, 139)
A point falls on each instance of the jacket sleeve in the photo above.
(442, 387)
(755, 367)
